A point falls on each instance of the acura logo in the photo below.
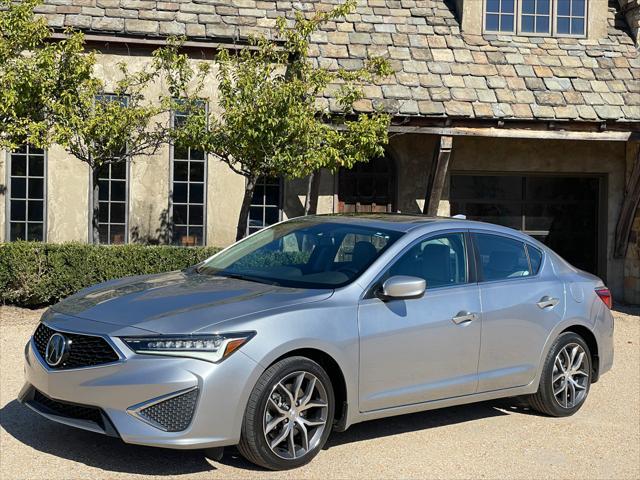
(57, 350)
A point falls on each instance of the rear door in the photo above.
(521, 302)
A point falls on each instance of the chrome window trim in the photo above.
(32, 343)
(134, 410)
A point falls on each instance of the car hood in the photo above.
(180, 302)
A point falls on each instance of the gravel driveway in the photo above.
(486, 440)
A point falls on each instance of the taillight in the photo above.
(605, 296)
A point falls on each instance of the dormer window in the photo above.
(536, 17)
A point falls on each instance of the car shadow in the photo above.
(96, 450)
(111, 454)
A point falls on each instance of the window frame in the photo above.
(264, 206)
(471, 265)
(516, 17)
(45, 177)
(525, 245)
(112, 97)
(553, 22)
(205, 183)
(109, 201)
(570, 35)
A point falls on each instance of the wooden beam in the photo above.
(437, 175)
(606, 136)
(630, 205)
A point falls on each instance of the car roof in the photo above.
(403, 222)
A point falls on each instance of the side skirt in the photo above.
(443, 403)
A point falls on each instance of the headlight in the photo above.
(212, 348)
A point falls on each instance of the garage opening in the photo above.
(560, 211)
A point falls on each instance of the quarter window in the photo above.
(27, 193)
(537, 17)
(265, 204)
(441, 261)
(189, 171)
(535, 258)
(500, 258)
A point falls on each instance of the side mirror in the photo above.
(402, 287)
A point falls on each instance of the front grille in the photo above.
(68, 410)
(173, 414)
(84, 350)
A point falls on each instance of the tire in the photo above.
(550, 399)
(269, 409)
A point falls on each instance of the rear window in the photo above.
(500, 258)
(535, 257)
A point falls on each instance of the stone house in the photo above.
(519, 112)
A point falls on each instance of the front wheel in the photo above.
(289, 415)
(566, 377)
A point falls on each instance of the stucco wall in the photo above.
(68, 180)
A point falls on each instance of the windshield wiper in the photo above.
(239, 276)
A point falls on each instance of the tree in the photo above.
(50, 94)
(37, 77)
(271, 122)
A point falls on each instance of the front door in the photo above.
(418, 350)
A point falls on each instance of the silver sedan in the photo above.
(316, 324)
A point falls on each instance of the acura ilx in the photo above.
(318, 323)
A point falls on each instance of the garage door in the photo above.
(560, 211)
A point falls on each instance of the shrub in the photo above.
(35, 274)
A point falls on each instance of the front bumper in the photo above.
(109, 398)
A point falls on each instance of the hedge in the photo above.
(35, 274)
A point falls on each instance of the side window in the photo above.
(535, 257)
(500, 258)
(440, 260)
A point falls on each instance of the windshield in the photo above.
(303, 253)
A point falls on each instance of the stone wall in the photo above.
(631, 9)
(632, 258)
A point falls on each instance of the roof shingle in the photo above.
(439, 71)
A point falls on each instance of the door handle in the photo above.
(463, 317)
(548, 302)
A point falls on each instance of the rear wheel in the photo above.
(289, 415)
(566, 377)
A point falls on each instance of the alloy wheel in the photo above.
(570, 377)
(295, 415)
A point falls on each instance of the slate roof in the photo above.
(440, 72)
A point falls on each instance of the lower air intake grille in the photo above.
(68, 410)
(173, 414)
